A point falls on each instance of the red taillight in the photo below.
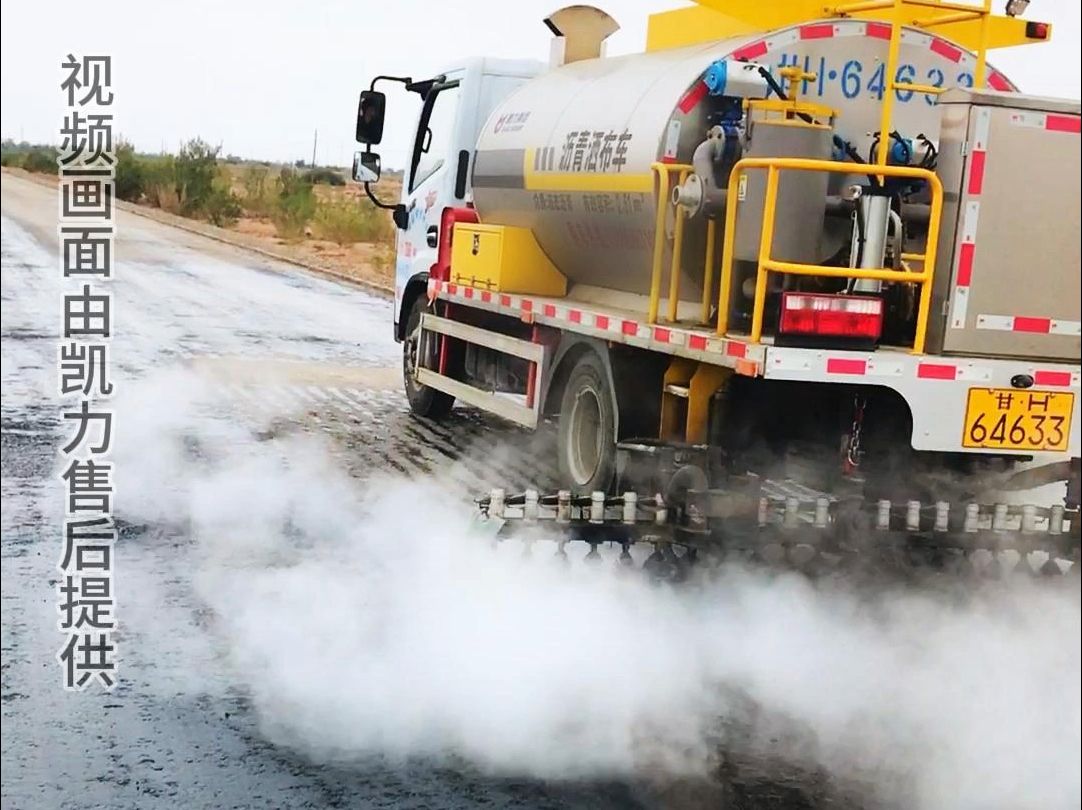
(831, 315)
(1037, 30)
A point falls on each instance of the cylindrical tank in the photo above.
(569, 153)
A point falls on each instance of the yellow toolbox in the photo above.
(503, 258)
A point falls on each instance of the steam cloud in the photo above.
(370, 618)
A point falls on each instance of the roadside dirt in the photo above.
(364, 264)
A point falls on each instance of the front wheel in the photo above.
(587, 427)
(424, 401)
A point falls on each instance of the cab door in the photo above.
(434, 179)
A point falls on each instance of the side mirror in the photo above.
(366, 167)
(370, 112)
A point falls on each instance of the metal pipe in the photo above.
(674, 265)
(875, 211)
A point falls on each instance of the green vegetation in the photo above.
(346, 222)
(294, 205)
(197, 183)
(31, 157)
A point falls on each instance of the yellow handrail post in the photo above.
(708, 270)
(725, 283)
(982, 50)
(887, 113)
(924, 306)
(659, 241)
(677, 251)
(766, 241)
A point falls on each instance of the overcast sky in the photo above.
(260, 77)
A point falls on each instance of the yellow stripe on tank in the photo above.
(582, 181)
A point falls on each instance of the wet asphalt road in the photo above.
(304, 353)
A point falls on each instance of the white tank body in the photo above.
(569, 153)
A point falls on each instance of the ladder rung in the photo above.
(930, 89)
(681, 391)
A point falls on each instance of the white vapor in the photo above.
(370, 617)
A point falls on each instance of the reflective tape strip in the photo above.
(1055, 379)
(692, 97)
(1050, 122)
(846, 365)
(1029, 324)
(963, 269)
(817, 31)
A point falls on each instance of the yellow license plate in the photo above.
(1012, 419)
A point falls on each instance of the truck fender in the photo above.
(416, 286)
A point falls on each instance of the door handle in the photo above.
(433, 236)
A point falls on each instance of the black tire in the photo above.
(424, 401)
(586, 446)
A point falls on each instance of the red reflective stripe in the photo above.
(629, 328)
(601, 321)
(1060, 378)
(945, 49)
(505, 300)
(661, 335)
(527, 305)
(965, 263)
(818, 31)
(1062, 123)
(574, 315)
(997, 82)
(750, 51)
(668, 159)
(692, 98)
(841, 365)
(697, 342)
(549, 311)
(878, 30)
(936, 371)
(486, 296)
(468, 292)
(1041, 325)
(734, 349)
(976, 172)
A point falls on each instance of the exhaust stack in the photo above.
(580, 33)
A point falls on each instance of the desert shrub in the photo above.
(325, 176)
(256, 197)
(160, 182)
(294, 205)
(196, 169)
(222, 206)
(128, 183)
(346, 222)
(40, 159)
(11, 158)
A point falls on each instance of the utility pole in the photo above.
(315, 140)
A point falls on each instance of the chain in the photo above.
(852, 448)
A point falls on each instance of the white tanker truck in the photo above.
(792, 274)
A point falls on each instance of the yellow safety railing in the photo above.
(768, 265)
(664, 172)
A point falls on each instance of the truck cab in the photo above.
(455, 104)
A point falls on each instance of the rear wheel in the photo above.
(424, 401)
(586, 444)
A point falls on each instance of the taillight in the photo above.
(843, 316)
